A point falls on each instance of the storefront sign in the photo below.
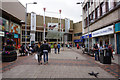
(15, 35)
(1, 33)
(117, 27)
(104, 31)
(86, 36)
(78, 40)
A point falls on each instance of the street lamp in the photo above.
(87, 20)
(60, 25)
(44, 22)
(26, 22)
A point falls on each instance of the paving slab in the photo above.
(52, 71)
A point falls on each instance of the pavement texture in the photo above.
(70, 63)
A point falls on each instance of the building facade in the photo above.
(35, 29)
(77, 33)
(99, 19)
(10, 21)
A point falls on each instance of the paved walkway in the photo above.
(70, 63)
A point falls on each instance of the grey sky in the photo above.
(69, 8)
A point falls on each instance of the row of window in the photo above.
(102, 9)
(77, 34)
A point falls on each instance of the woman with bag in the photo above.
(39, 53)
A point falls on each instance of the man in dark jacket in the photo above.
(45, 49)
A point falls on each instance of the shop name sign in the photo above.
(104, 31)
(1, 33)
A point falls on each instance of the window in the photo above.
(110, 4)
(77, 34)
(69, 37)
(98, 12)
(91, 2)
(102, 9)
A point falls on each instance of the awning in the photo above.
(54, 35)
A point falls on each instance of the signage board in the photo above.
(105, 31)
(117, 27)
(33, 21)
(15, 35)
(2, 33)
(53, 26)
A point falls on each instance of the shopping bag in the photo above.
(36, 57)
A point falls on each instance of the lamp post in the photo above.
(26, 22)
(44, 22)
(60, 24)
(87, 21)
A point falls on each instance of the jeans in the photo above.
(45, 54)
(55, 50)
(39, 57)
(58, 50)
(97, 55)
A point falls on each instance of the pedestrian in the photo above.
(39, 53)
(62, 45)
(45, 49)
(106, 45)
(68, 45)
(96, 50)
(110, 51)
(58, 46)
(55, 47)
(77, 46)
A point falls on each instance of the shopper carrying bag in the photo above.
(39, 53)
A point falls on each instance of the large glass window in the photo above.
(4, 24)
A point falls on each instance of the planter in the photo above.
(9, 57)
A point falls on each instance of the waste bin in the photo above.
(105, 57)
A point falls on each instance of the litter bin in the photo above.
(105, 57)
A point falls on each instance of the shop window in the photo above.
(4, 24)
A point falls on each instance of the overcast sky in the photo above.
(69, 8)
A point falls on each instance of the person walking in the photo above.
(110, 51)
(58, 46)
(96, 50)
(77, 46)
(55, 47)
(45, 48)
(39, 53)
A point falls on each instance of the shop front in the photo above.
(103, 36)
(85, 39)
(15, 29)
(1, 37)
(117, 31)
(77, 41)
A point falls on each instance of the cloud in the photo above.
(69, 8)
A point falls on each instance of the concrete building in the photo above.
(10, 21)
(77, 33)
(103, 17)
(35, 29)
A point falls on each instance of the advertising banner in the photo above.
(52, 26)
(33, 21)
(15, 28)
